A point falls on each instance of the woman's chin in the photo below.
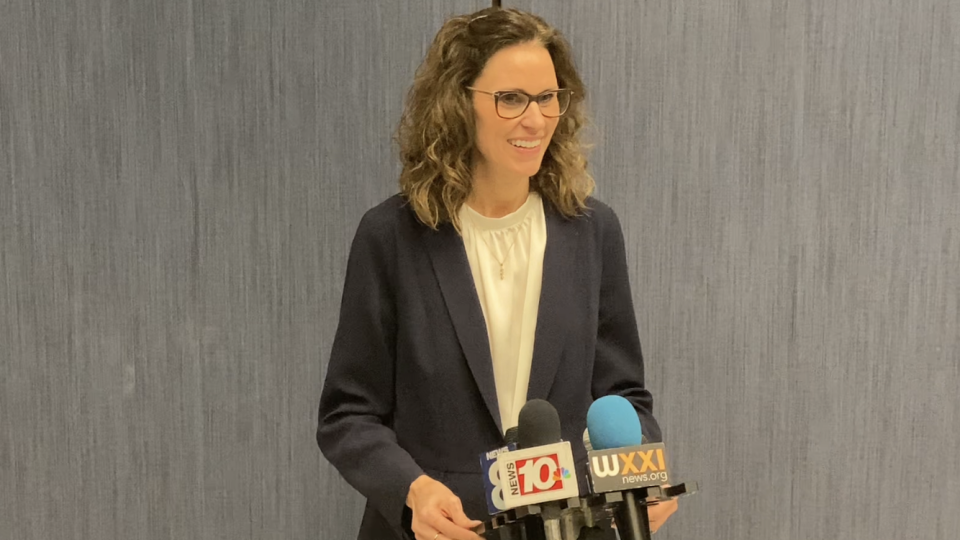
(521, 170)
(527, 170)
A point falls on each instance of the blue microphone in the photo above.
(612, 422)
(619, 461)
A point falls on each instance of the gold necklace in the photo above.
(516, 233)
(505, 255)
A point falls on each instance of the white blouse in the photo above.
(509, 292)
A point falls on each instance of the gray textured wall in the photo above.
(788, 174)
(179, 183)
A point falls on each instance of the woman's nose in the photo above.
(533, 117)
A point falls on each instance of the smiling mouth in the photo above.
(525, 144)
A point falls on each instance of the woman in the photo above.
(491, 279)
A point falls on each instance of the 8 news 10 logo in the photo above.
(491, 478)
(536, 475)
(531, 476)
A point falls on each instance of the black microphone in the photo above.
(538, 479)
(510, 437)
(539, 426)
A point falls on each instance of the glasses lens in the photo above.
(565, 96)
(511, 104)
(552, 104)
(555, 104)
(549, 104)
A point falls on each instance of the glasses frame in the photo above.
(530, 98)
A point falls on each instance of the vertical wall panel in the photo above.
(179, 183)
(788, 176)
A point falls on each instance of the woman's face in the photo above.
(527, 67)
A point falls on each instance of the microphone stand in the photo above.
(636, 517)
(629, 508)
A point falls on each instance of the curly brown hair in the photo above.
(437, 131)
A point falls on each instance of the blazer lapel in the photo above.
(450, 264)
(556, 302)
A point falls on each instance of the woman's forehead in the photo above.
(526, 67)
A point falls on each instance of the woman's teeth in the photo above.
(526, 144)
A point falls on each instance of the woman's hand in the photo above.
(659, 513)
(437, 512)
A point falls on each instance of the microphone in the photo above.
(543, 471)
(491, 473)
(537, 425)
(589, 447)
(619, 461)
(539, 477)
(510, 437)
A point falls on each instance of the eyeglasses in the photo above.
(512, 103)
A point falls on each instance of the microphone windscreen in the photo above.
(510, 437)
(538, 424)
(613, 423)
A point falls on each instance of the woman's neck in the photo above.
(498, 198)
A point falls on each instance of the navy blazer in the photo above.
(410, 390)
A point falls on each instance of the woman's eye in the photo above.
(511, 99)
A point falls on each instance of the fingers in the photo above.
(440, 536)
(430, 522)
(436, 510)
(659, 513)
(454, 511)
(447, 529)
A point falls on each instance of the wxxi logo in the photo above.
(637, 466)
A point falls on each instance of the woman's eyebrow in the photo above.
(549, 89)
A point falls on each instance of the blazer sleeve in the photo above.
(357, 401)
(618, 365)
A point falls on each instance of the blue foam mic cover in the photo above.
(612, 422)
